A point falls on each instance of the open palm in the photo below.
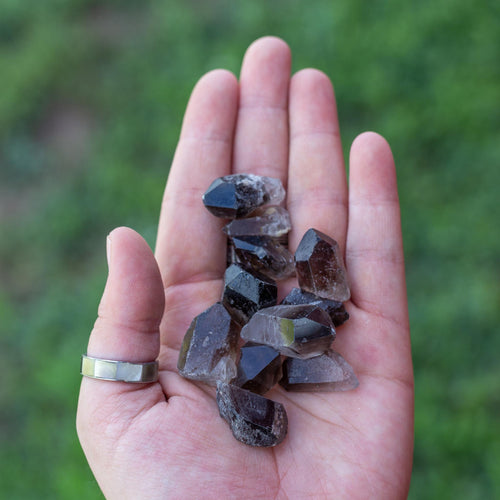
(167, 440)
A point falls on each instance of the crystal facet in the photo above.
(264, 255)
(334, 308)
(210, 347)
(320, 267)
(327, 372)
(245, 293)
(259, 368)
(254, 420)
(237, 195)
(300, 331)
(265, 221)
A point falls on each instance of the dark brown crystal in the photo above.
(237, 195)
(299, 331)
(209, 350)
(259, 368)
(245, 292)
(320, 267)
(327, 372)
(254, 420)
(335, 309)
(264, 255)
(269, 221)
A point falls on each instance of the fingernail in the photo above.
(108, 250)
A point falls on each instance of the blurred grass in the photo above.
(91, 101)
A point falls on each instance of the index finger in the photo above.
(190, 245)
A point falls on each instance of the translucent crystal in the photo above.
(237, 195)
(210, 347)
(245, 293)
(298, 331)
(264, 255)
(231, 257)
(327, 372)
(265, 221)
(254, 420)
(259, 368)
(320, 267)
(335, 309)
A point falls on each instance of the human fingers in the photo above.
(261, 138)
(317, 190)
(375, 262)
(375, 247)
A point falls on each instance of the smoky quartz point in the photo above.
(210, 348)
(245, 292)
(327, 372)
(301, 331)
(320, 267)
(334, 308)
(264, 255)
(237, 195)
(254, 419)
(259, 368)
(269, 221)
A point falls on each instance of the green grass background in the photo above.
(91, 100)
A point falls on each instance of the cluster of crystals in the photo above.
(246, 343)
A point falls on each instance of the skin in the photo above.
(167, 440)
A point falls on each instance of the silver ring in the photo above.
(119, 371)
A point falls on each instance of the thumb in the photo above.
(127, 329)
(131, 308)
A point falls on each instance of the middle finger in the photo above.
(261, 139)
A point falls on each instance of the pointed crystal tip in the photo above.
(254, 420)
(245, 292)
(269, 221)
(302, 331)
(320, 267)
(335, 309)
(265, 255)
(259, 368)
(327, 372)
(210, 347)
(237, 195)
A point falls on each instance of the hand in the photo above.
(167, 440)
